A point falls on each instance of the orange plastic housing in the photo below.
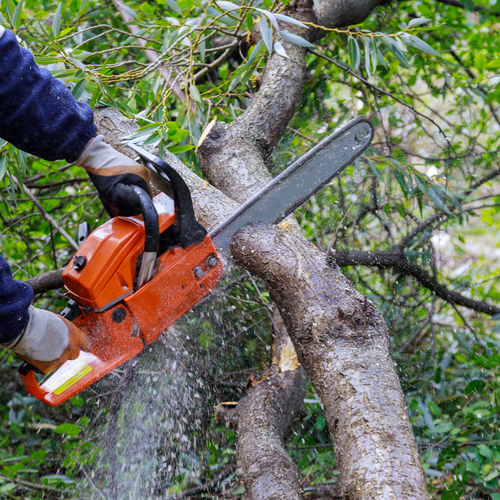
(117, 319)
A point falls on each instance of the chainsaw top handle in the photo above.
(189, 230)
(138, 198)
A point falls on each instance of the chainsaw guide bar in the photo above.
(133, 277)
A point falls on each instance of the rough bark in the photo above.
(342, 342)
(263, 418)
(46, 281)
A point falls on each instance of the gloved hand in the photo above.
(49, 340)
(107, 168)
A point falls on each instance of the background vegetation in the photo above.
(434, 101)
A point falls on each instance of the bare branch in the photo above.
(49, 218)
(46, 281)
(401, 264)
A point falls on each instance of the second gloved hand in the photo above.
(49, 340)
(107, 168)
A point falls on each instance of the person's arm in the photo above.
(40, 337)
(39, 115)
(37, 112)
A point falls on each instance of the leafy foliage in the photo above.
(426, 74)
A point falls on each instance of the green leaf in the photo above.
(195, 93)
(418, 21)
(271, 18)
(354, 53)
(17, 13)
(416, 42)
(368, 44)
(396, 51)
(474, 386)
(3, 166)
(320, 422)
(280, 50)
(6, 488)
(128, 10)
(224, 5)
(434, 408)
(249, 22)
(484, 451)
(44, 60)
(266, 33)
(180, 149)
(493, 64)
(79, 89)
(495, 496)
(492, 475)
(375, 170)
(289, 20)
(234, 83)
(374, 57)
(10, 7)
(173, 6)
(255, 51)
(56, 23)
(68, 429)
(295, 39)
(444, 427)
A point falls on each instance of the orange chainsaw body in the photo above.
(119, 320)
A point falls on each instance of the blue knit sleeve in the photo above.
(15, 299)
(37, 112)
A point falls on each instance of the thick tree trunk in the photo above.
(342, 342)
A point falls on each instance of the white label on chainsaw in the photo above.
(163, 204)
(69, 373)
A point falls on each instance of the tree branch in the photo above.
(262, 418)
(46, 281)
(400, 263)
(475, 8)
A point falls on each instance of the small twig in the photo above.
(90, 480)
(28, 484)
(307, 476)
(378, 89)
(312, 447)
(212, 485)
(49, 218)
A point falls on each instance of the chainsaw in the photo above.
(133, 277)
